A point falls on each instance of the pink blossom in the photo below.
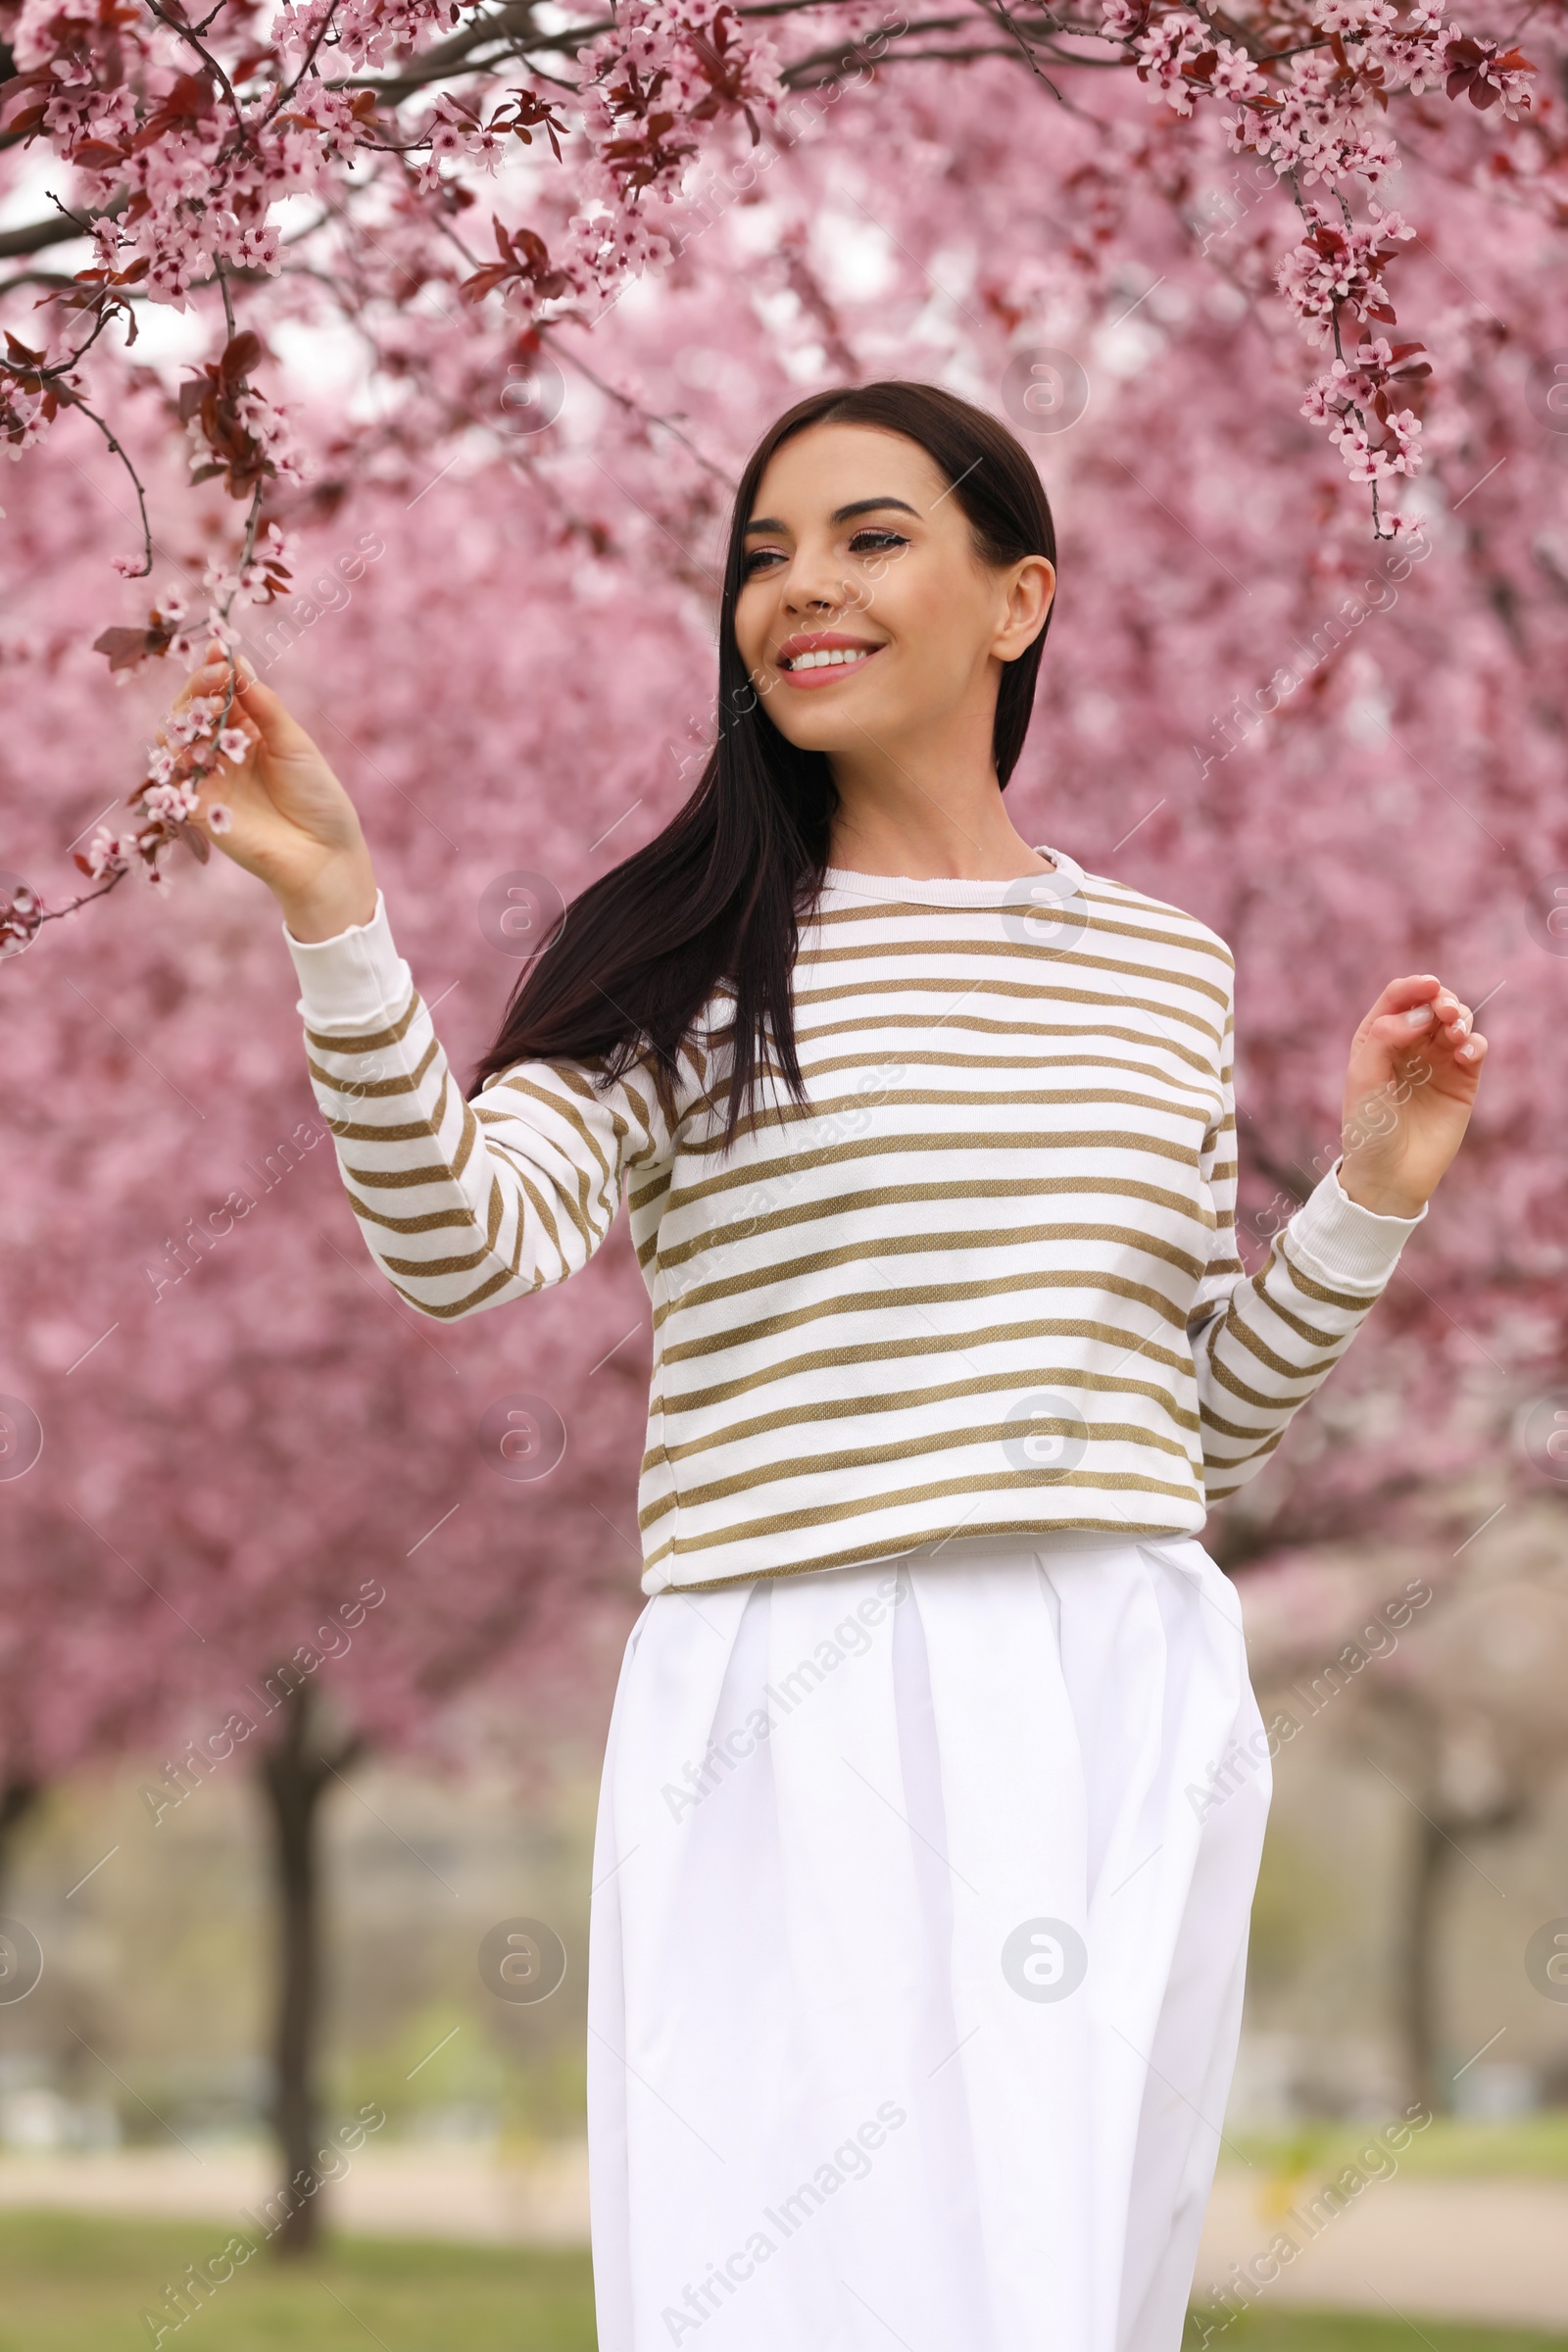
(1357, 18)
(258, 248)
(174, 803)
(106, 855)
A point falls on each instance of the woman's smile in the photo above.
(821, 657)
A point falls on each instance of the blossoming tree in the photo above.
(254, 1516)
(325, 162)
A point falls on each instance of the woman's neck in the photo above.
(928, 840)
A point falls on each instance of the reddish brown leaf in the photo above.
(239, 356)
(126, 648)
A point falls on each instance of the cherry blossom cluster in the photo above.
(193, 747)
(182, 135)
(1350, 392)
(1313, 107)
(1338, 269)
(648, 92)
(188, 174)
(196, 742)
(21, 915)
(453, 180)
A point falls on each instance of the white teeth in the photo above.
(837, 656)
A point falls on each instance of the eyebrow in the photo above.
(861, 505)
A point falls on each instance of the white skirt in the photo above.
(917, 1947)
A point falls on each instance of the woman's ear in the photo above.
(1032, 585)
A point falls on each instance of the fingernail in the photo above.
(1418, 1015)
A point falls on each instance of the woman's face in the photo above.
(866, 611)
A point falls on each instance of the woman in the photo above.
(935, 1786)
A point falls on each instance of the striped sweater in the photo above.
(984, 1285)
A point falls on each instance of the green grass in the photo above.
(1531, 2147)
(1349, 2331)
(76, 2283)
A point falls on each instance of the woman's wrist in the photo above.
(1379, 1200)
(337, 899)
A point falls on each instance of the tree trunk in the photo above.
(1417, 1975)
(294, 1776)
(17, 1800)
(1419, 1978)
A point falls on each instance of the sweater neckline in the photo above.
(944, 890)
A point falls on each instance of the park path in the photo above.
(419, 2191)
(1489, 2250)
(1446, 2249)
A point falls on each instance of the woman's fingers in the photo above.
(1419, 1005)
(278, 731)
(1417, 1018)
(209, 683)
(1441, 1016)
(1395, 1039)
(1414, 993)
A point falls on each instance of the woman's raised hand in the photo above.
(1415, 1063)
(290, 821)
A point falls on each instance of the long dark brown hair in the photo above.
(716, 900)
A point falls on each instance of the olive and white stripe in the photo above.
(984, 1284)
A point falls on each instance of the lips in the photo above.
(822, 657)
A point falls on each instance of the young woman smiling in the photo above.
(935, 1786)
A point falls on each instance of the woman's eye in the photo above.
(869, 542)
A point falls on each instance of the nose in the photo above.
(813, 585)
(800, 601)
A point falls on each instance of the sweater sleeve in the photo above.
(463, 1205)
(1262, 1343)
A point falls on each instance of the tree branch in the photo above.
(59, 230)
(1011, 21)
(511, 25)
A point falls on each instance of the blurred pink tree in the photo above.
(323, 167)
(270, 1520)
